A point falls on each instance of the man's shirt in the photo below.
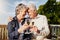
(41, 23)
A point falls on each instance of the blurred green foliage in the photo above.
(52, 10)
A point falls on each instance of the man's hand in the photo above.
(10, 19)
(33, 29)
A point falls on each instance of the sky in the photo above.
(58, 0)
(7, 8)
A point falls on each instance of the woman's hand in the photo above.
(23, 28)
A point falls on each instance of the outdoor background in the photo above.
(50, 8)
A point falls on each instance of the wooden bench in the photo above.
(55, 32)
(3, 32)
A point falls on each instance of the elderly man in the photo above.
(40, 25)
(16, 26)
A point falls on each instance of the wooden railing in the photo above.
(3, 32)
(55, 31)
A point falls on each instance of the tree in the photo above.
(52, 10)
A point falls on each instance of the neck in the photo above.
(35, 15)
(19, 19)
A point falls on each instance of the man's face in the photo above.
(31, 12)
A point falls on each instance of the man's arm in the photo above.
(45, 30)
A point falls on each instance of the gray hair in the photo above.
(20, 7)
(31, 5)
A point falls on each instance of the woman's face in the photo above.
(22, 12)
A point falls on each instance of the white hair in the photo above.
(32, 6)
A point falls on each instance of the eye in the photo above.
(28, 10)
(16, 10)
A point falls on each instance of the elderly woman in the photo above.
(15, 26)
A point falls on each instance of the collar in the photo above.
(37, 17)
(15, 18)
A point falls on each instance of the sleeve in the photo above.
(45, 32)
(11, 33)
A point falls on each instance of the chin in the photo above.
(22, 18)
(31, 17)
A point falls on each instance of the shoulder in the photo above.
(11, 24)
(42, 16)
(12, 21)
